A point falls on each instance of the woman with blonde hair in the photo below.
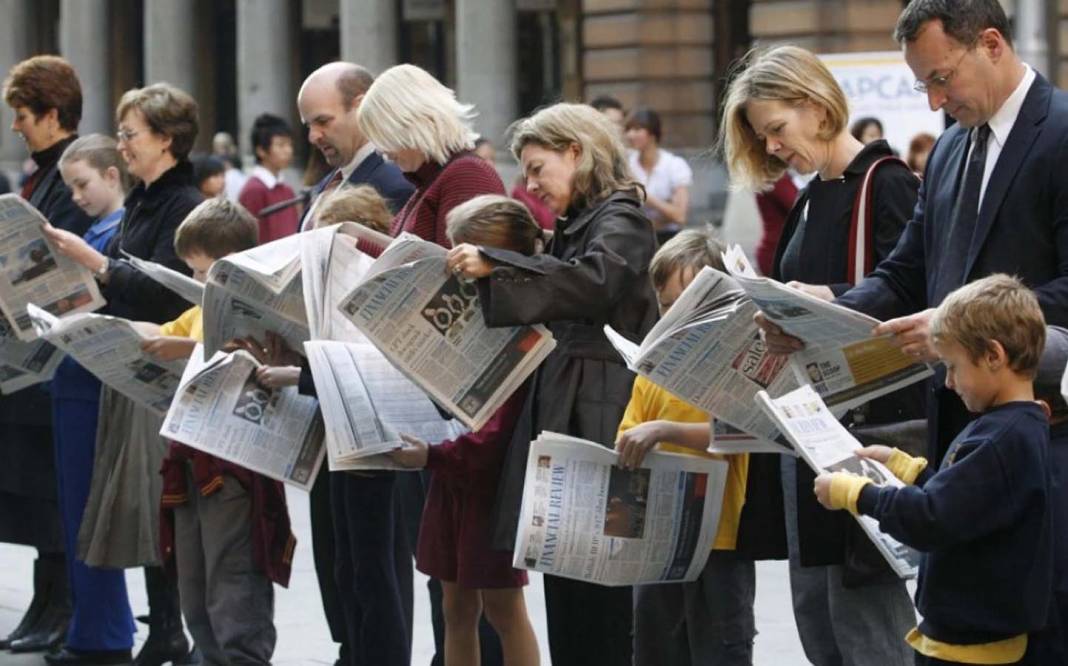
(595, 271)
(783, 109)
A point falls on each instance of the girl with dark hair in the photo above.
(666, 176)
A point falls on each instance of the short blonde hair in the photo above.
(787, 74)
(215, 228)
(168, 111)
(689, 249)
(407, 108)
(602, 167)
(361, 204)
(997, 307)
(496, 221)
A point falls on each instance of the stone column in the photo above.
(83, 30)
(170, 43)
(486, 63)
(369, 33)
(264, 64)
(14, 47)
(1030, 38)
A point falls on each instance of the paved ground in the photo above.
(302, 634)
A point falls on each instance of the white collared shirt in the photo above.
(1001, 124)
(363, 153)
(262, 174)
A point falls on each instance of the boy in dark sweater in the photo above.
(983, 518)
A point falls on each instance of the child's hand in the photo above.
(272, 376)
(633, 445)
(74, 247)
(465, 261)
(822, 487)
(876, 452)
(169, 348)
(413, 455)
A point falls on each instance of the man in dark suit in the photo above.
(995, 193)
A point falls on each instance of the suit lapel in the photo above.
(362, 173)
(1024, 132)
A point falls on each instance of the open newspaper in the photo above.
(110, 348)
(33, 271)
(843, 362)
(252, 292)
(429, 324)
(827, 446)
(181, 284)
(221, 409)
(24, 364)
(586, 518)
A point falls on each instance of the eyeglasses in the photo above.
(939, 81)
(125, 135)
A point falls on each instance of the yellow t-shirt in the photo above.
(649, 402)
(190, 324)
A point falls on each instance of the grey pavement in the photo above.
(303, 637)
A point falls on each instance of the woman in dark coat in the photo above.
(120, 528)
(785, 109)
(594, 272)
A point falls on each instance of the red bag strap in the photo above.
(861, 248)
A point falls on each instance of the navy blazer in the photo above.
(1022, 230)
(375, 171)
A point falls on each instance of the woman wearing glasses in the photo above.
(784, 109)
(120, 528)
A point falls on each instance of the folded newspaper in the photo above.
(252, 292)
(110, 348)
(181, 284)
(428, 323)
(220, 409)
(586, 518)
(24, 364)
(33, 271)
(827, 446)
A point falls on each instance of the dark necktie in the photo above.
(966, 212)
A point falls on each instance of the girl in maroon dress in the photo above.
(454, 538)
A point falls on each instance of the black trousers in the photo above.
(588, 624)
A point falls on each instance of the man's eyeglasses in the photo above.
(939, 81)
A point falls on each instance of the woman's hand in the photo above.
(73, 246)
(634, 444)
(169, 347)
(466, 261)
(274, 377)
(819, 291)
(412, 455)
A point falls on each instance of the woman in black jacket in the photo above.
(786, 110)
(157, 127)
(594, 272)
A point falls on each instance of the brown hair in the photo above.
(46, 82)
(168, 111)
(215, 228)
(997, 307)
(360, 204)
(495, 221)
(98, 151)
(690, 248)
(921, 143)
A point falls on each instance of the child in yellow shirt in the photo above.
(708, 621)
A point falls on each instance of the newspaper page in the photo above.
(183, 285)
(367, 404)
(827, 446)
(707, 351)
(33, 271)
(841, 359)
(24, 364)
(585, 517)
(428, 323)
(220, 409)
(252, 292)
(110, 348)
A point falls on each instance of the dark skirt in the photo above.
(29, 511)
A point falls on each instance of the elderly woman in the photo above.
(666, 176)
(785, 109)
(157, 127)
(594, 272)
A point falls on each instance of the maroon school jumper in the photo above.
(255, 196)
(454, 537)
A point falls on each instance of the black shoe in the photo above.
(192, 659)
(166, 640)
(66, 656)
(37, 606)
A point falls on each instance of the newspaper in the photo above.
(841, 359)
(366, 405)
(221, 410)
(183, 285)
(24, 364)
(252, 292)
(827, 446)
(110, 348)
(586, 518)
(33, 271)
(428, 323)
